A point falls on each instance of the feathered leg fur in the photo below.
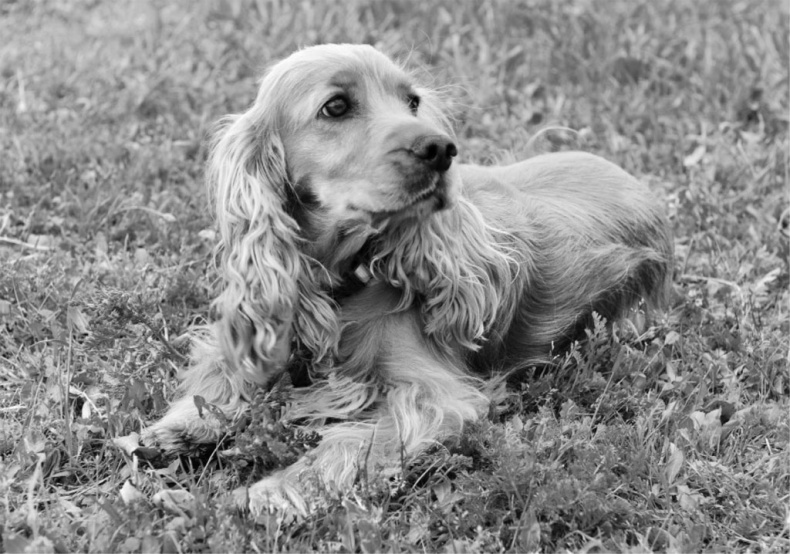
(395, 395)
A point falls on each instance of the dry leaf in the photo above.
(129, 443)
(129, 493)
(76, 320)
(695, 157)
(176, 501)
(674, 464)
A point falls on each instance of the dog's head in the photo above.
(361, 143)
(340, 142)
(361, 140)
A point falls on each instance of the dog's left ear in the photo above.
(455, 265)
(460, 271)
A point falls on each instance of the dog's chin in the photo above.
(415, 209)
(416, 212)
(433, 197)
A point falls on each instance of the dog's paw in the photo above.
(184, 429)
(273, 495)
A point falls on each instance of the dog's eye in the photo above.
(336, 107)
(414, 102)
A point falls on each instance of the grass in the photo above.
(677, 442)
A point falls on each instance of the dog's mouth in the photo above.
(435, 192)
(429, 199)
(433, 196)
(431, 190)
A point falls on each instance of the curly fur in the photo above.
(474, 269)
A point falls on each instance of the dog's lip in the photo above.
(410, 202)
(424, 194)
(434, 190)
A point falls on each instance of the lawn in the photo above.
(676, 440)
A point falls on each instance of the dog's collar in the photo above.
(363, 274)
(356, 275)
(352, 282)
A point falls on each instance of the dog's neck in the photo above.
(347, 250)
(345, 253)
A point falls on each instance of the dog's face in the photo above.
(362, 143)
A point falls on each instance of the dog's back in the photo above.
(589, 237)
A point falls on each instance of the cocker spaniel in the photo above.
(352, 243)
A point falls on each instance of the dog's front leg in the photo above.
(185, 427)
(400, 397)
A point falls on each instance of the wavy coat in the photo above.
(352, 244)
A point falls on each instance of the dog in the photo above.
(353, 244)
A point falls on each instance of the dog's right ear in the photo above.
(267, 281)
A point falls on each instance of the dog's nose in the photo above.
(436, 151)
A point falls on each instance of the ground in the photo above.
(673, 441)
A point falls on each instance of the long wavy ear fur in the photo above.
(460, 270)
(458, 267)
(270, 289)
